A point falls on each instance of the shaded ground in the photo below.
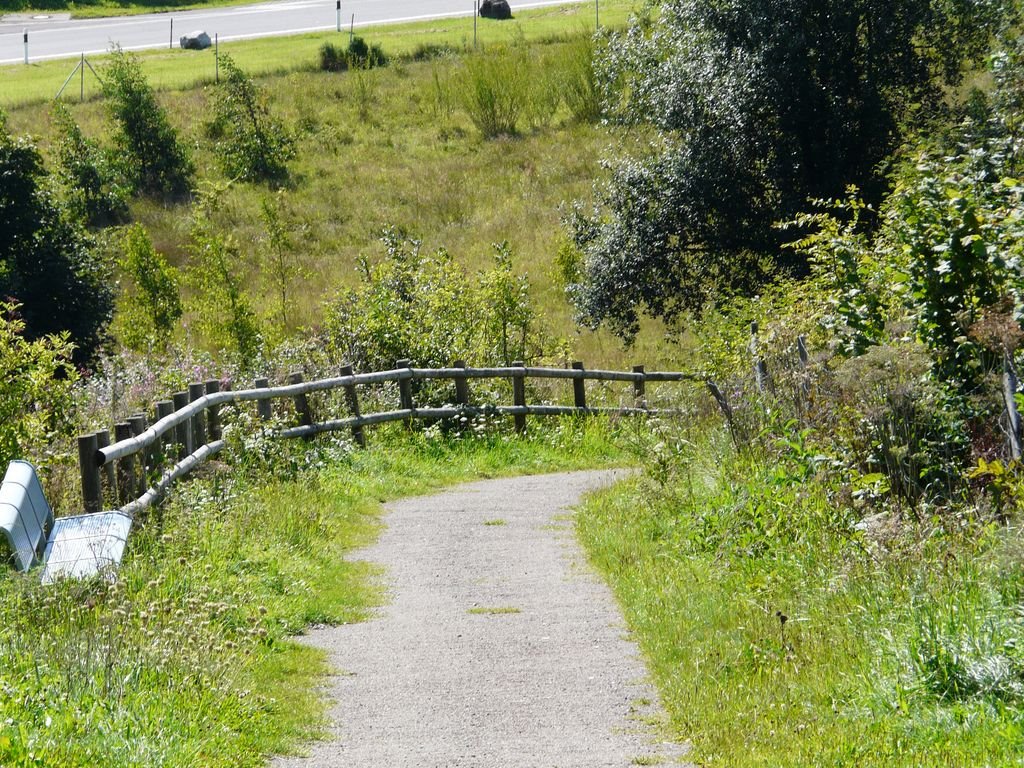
(499, 646)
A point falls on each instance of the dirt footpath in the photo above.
(498, 649)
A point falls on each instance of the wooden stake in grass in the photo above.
(352, 401)
(90, 473)
(519, 397)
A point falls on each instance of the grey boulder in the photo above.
(196, 41)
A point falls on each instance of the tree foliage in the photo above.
(224, 310)
(94, 187)
(762, 104)
(152, 155)
(251, 143)
(48, 264)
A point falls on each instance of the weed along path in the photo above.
(498, 649)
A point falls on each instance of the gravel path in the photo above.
(499, 647)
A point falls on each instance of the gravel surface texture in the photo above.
(499, 647)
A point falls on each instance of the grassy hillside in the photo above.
(394, 146)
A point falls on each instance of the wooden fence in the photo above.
(187, 428)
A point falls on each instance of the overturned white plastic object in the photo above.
(85, 545)
(25, 515)
(77, 547)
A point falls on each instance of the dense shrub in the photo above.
(357, 55)
(494, 90)
(94, 187)
(152, 155)
(35, 399)
(901, 424)
(426, 308)
(251, 144)
(47, 262)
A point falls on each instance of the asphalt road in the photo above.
(57, 36)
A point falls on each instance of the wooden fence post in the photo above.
(461, 385)
(92, 494)
(196, 390)
(126, 483)
(519, 396)
(138, 426)
(639, 388)
(579, 387)
(183, 432)
(166, 444)
(102, 441)
(213, 419)
(301, 401)
(405, 390)
(352, 401)
(760, 367)
(263, 406)
(1012, 414)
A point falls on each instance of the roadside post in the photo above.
(26, 46)
(339, 15)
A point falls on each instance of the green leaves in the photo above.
(152, 155)
(762, 104)
(426, 308)
(252, 145)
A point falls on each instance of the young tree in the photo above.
(762, 104)
(153, 157)
(225, 311)
(151, 306)
(252, 145)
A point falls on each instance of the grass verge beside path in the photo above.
(178, 69)
(186, 659)
(781, 634)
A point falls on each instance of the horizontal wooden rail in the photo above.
(181, 434)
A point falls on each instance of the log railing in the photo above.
(187, 429)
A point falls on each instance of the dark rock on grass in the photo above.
(495, 9)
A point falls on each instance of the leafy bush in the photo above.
(47, 263)
(36, 397)
(151, 307)
(252, 145)
(95, 189)
(427, 309)
(358, 55)
(152, 155)
(363, 56)
(902, 425)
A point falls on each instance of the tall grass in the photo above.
(783, 631)
(495, 90)
(186, 659)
